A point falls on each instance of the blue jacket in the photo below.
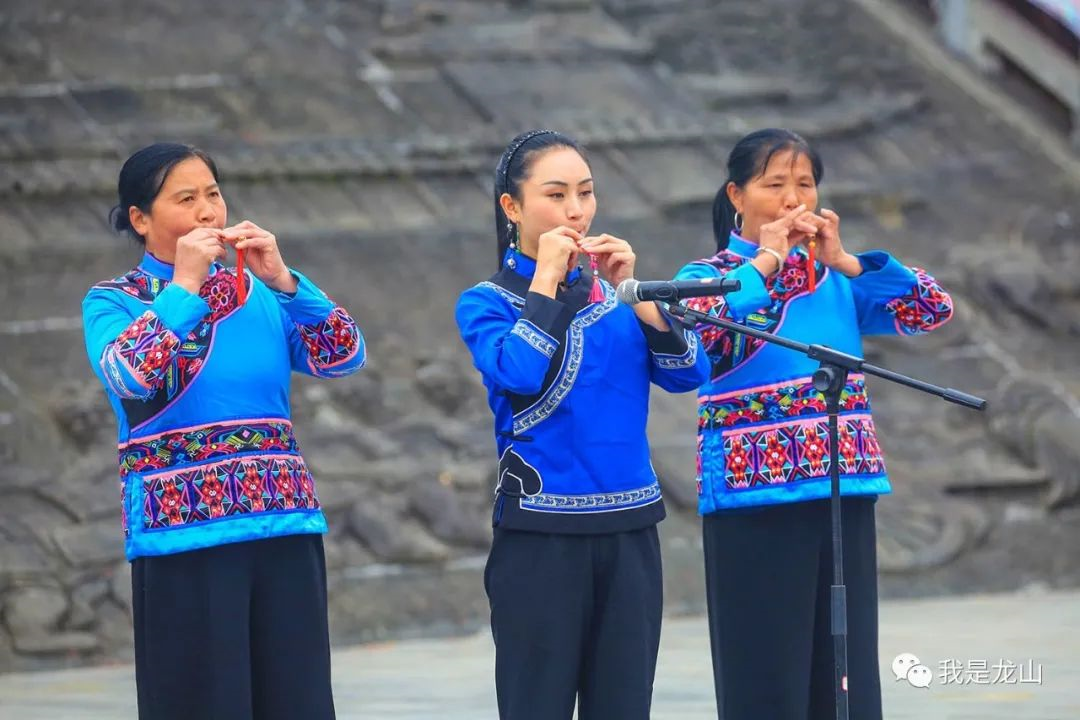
(200, 388)
(762, 428)
(568, 382)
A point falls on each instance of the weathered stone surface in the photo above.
(405, 15)
(565, 36)
(441, 509)
(83, 414)
(20, 558)
(448, 385)
(120, 584)
(472, 476)
(915, 535)
(115, 630)
(96, 543)
(393, 539)
(344, 551)
(34, 612)
(361, 394)
(339, 491)
(86, 600)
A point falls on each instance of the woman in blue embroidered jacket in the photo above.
(763, 461)
(573, 577)
(221, 521)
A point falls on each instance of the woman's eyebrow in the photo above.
(564, 184)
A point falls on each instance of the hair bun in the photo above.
(119, 220)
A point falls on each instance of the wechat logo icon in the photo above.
(906, 666)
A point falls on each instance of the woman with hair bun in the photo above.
(763, 447)
(221, 522)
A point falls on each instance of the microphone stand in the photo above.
(830, 379)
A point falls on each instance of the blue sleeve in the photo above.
(677, 363)
(324, 340)
(722, 347)
(510, 351)
(892, 299)
(130, 346)
(750, 298)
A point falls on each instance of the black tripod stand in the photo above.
(830, 379)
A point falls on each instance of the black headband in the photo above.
(512, 150)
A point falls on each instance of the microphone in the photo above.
(632, 291)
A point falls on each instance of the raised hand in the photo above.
(615, 256)
(195, 253)
(261, 254)
(787, 231)
(556, 252)
(829, 250)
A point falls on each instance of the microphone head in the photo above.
(626, 293)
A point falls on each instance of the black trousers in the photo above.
(575, 618)
(235, 632)
(768, 573)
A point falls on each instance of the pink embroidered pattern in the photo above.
(926, 307)
(331, 342)
(728, 350)
(145, 349)
(799, 450)
(247, 485)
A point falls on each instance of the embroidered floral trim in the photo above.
(242, 486)
(145, 349)
(331, 342)
(783, 453)
(923, 309)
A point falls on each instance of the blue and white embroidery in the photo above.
(602, 502)
(515, 300)
(666, 361)
(571, 365)
(536, 337)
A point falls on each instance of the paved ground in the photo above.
(1018, 639)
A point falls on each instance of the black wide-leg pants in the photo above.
(768, 577)
(576, 618)
(234, 632)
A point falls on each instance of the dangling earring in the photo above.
(511, 232)
(738, 221)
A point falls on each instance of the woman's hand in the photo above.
(829, 250)
(556, 253)
(616, 263)
(616, 257)
(261, 255)
(195, 253)
(787, 231)
(779, 236)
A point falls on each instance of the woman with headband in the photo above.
(574, 577)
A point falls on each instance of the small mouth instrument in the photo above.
(241, 281)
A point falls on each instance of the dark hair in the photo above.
(512, 170)
(142, 177)
(749, 159)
